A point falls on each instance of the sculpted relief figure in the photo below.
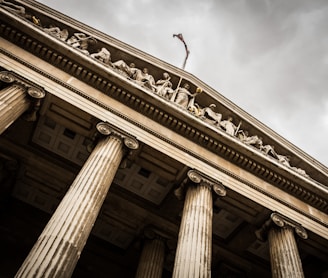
(283, 159)
(145, 79)
(164, 86)
(124, 69)
(57, 32)
(254, 140)
(192, 106)
(209, 115)
(183, 97)
(242, 135)
(300, 171)
(103, 55)
(229, 126)
(81, 41)
(19, 10)
(269, 150)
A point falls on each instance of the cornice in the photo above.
(125, 50)
(164, 112)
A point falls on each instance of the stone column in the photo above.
(15, 100)
(59, 246)
(284, 256)
(194, 249)
(151, 261)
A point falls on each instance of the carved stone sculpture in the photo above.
(229, 126)
(145, 79)
(269, 150)
(20, 10)
(123, 68)
(81, 41)
(183, 96)
(209, 115)
(254, 140)
(164, 86)
(300, 171)
(103, 55)
(283, 159)
(57, 32)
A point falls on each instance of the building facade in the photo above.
(115, 163)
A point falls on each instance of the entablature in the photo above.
(163, 139)
(306, 183)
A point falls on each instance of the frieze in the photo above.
(181, 97)
(315, 200)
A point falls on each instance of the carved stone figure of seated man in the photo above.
(81, 41)
(145, 79)
(124, 69)
(57, 32)
(283, 159)
(268, 149)
(253, 140)
(209, 115)
(103, 55)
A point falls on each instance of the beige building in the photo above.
(111, 168)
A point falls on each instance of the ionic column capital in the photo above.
(217, 187)
(281, 221)
(32, 89)
(23, 87)
(36, 93)
(7, 77)
(129, 141)
(199, 178)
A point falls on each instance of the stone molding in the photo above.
(316, 201)
(215, 143)
(83, 72)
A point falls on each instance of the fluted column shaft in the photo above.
(58, 248)
(284, 256)
(13, 103)
(194, 249)
(152, 259)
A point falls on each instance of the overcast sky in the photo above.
(270, 57)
